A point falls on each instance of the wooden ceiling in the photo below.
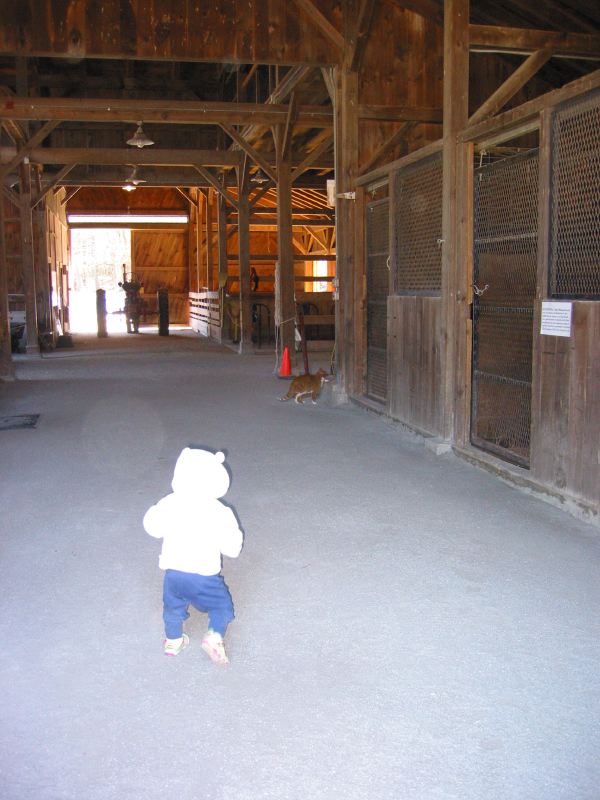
(210, 83)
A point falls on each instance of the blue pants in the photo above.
(207, 593)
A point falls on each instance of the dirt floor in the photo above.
(408, 626)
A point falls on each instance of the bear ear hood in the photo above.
(200, 473)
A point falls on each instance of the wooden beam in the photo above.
(310, 159)
(244, 262)
(321, 22)
(54, 182)
(28, 262)
(7, 367)
(247, 148)
(364, 24)
(387, 145)
(525, 118)
(164, 112)
(255, 31)
(456, 104)
(216, 184)
(286, 142)
(511, 86)
(496, 39)
(400, 114)
(328, 80)
(285, 311)
(71, 193)
(24, 151)
(129, 156)
(12, 196)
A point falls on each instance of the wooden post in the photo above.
(244, 260)
(286, 313)
(32, 345)
(456, 101)
(346, 170)
(222, 255)
(209, 249)
(7, 368)
(222, 237)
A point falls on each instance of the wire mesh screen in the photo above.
(575, 200)
(377, 235)
(505, 265)
(418, 228)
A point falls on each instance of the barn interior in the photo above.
(392, 183)
(405, 192)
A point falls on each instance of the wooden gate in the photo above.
(378, 281)
(504, 272)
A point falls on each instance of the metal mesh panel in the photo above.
(505, 265)
(418, 225)
(377, 235)
(575, 200)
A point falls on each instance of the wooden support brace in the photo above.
(36, 139)
(54, 182)
(210, 178)
(321, 22)
(511, 86)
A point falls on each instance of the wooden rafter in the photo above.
(215, 183)
(387, 145)
(511, 86)
(247, 148)
(54, 182)
(312, 157)
(496, 39)
(321, 22)
(162, 111)
(363, 31)
(400, 113)
(132, 156)
(24, 151)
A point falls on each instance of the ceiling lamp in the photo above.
(259, 177)
(139, 138)
(134, 179)
(128, 187)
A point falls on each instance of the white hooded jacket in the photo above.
(196, 528)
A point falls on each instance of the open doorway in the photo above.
(98, 257)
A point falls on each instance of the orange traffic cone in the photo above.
(285, 370)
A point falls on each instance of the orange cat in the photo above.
(303, 385)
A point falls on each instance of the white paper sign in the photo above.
(556, 318)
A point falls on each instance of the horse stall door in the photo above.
(504, 272)
(378, 279)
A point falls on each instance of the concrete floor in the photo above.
(408, 627)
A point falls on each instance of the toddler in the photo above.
(196, 529)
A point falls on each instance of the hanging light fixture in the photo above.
(134, 178)
(259, 177)
(139, 138)
(128, 187)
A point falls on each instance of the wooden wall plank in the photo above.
(415, 363)
(225, 31)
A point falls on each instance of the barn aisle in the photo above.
(408, 627)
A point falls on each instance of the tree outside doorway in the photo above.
(98, 259)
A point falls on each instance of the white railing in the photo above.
(205, 314)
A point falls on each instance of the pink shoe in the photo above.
(212, 644)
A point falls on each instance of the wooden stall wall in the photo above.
(402, 68)
(159, 260)
(565, 436)
(414, 362)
